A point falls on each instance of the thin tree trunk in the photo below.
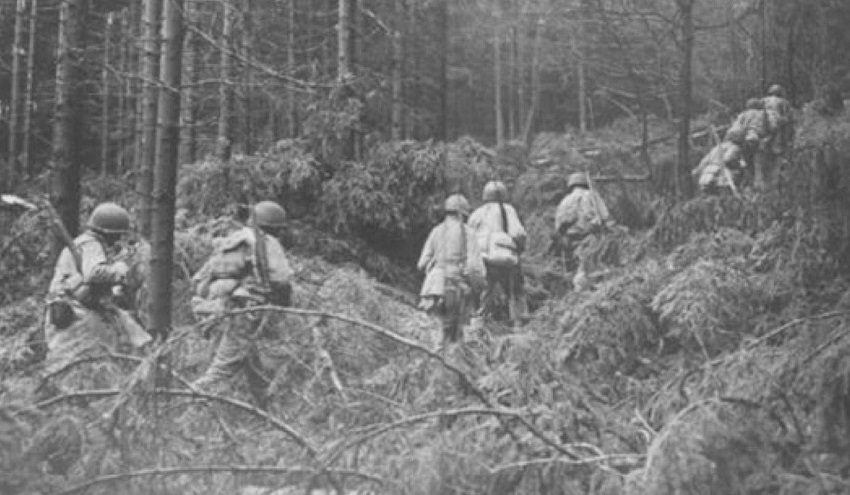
(535, 81)
(224, 142)
(356, 13)
(497, 78)
(327, 52)
(397, 60)
(292, 112)
(26, 159)
(15, 100)
(443, 118)
(106, 95)
(343, 41)
(248, 78)
(150, 74)
(510, 79)
(578, 58)
(683, 182)
(165, 176)
(68, 114)
(187, 106)
(123, 94)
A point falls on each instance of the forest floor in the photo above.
(712, 359)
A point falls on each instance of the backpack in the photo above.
(501, 247)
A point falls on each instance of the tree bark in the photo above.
(683, 176)
(150, 76)
(26, 160)
(15, 100)
(343, 41)
(443, 117)
(397, 61)
(68, 113)
(535, 81)
(497, 78)
(224, 141)
(248, 79)
(291, 103)
(106, 95)
(578, 59)
(186, 153)
(165, 176)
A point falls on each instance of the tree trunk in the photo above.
(150, 74)
(248, 78)
(397, 60)
(68, 113)
(578, 59)
(535, 81)
(165, 176)
(443, 117)
(343, 41)
(123, 94)
(511, 79)
(187, 107)
(26, 160)
(683, 176)
(106, 95)
(15, 101)
(292, 109)
(497, 78)
(224, 141)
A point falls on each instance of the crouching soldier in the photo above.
(501, 240)
(250, 268)
(87, 282)
(453, 267)
(720, 169)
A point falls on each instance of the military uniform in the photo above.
(493, 218)
(250, 268)
(453, 266)
(719, 168)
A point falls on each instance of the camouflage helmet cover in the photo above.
(456, 203)
(577, 179)
(776, 90)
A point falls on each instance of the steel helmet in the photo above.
(495, 190)
(269, 214)
(776, 90)
(109, 218)
(735, 135)
(457, 203)
(755, 104)
(577, 179)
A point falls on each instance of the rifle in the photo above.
(82, 292)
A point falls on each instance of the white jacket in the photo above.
(488, 219)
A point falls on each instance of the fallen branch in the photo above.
(416, 419)
(467, 382)
(244, 406)
(624, 460)
(215, 469)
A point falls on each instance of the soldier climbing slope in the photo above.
(250, 268)
(780, 127)
(720, 169)
(501, 240)
(88, 281)
(752, 122)
(453, 267)
(581, 213)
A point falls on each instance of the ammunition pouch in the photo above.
(61, 314)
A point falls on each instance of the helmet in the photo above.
(577, 179)
(735, 135)
(776, 90)
(457, 203)
(109, 218)
(755, 104)
(495, 190)
(269, 214)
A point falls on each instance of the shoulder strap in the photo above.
(261, 256)
(504, 216)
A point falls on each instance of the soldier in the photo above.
(581, 213)
(501, 240)
(250, 268)
(453, 267)
(753, 123)
(780, 138)
(719, 169)
(87, 278)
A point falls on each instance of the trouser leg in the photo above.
(231, 355)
